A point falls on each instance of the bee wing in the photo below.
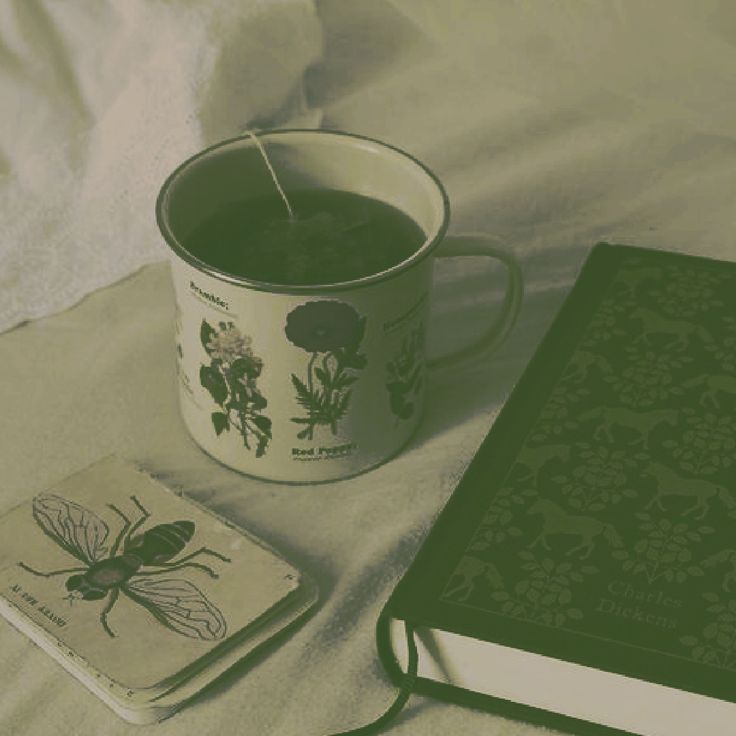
(180, 605)
(74, 528)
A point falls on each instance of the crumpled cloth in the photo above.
(552, 125)
(100, 101)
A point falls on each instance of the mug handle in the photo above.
(478, 244)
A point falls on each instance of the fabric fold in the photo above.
(100, 103)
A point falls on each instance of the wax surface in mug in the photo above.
(335, 236)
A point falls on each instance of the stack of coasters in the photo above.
(142, 595)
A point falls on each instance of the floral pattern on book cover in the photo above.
(615, 517)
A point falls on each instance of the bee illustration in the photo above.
(107, 572)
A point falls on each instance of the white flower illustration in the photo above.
(229, 344)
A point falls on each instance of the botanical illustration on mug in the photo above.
(331, 332)
(130, 565)
(404, 374)
(230, 379)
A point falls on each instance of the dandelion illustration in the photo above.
(332, 332)
(231, 380)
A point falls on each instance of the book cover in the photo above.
(596, 523)
(136, 589)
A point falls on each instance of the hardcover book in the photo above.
(143, 595)
(582, 575)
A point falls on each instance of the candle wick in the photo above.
(271, 171)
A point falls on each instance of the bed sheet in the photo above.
(552, 125)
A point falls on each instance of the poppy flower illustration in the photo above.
(324, 326)
(332, 332)
(230, 379)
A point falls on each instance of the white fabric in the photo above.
(100, 101)
(552, 125)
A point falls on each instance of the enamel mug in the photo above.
(318, 382)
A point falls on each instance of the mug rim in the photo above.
(429, 244)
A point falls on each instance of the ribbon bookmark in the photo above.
(407, 686)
